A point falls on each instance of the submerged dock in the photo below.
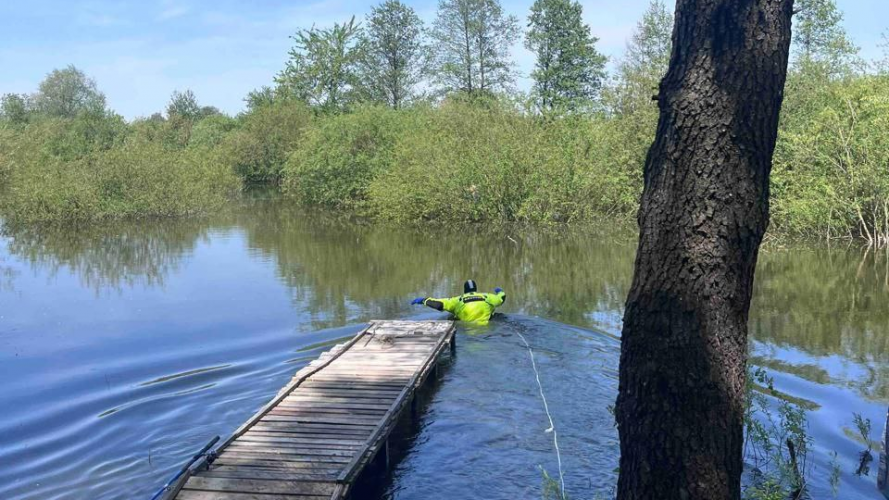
(316, 436)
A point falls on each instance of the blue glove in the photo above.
(498, 290)
(418, 301)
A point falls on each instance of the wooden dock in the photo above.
(316, 436)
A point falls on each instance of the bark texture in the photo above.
(704, 211)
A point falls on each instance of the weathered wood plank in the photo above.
(321, 419)
(315, 410)
(328, 441)
(301, 467)
(345, 393)
(286, 457)
(269, 428)
(282, 449)
(350, 385)
(231, 472)
(261, 486)
(319, 427)
(216, 495)
(335, 403)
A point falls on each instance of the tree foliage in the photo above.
(65, 93)
(569, 70)
(471, 42)
(645, 62)
(260, 97)
(323, 67)
(821, 45)
(14, 109)
(392, 63)
(184, 105)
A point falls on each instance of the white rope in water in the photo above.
(552, 426)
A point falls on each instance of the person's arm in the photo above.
(497, 298)
(448, 305)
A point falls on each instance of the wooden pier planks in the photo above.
(314, 438)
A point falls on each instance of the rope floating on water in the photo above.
(552, 425)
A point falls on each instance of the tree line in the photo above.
(392, 58)
(361, 110)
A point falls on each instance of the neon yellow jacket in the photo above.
(471, 307)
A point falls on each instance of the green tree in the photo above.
(569, 70)
(65, 93)
(821, 45)
(183, 105)
(323, 67)
(645, 62)
(392, 62)
(260, 97)
(14, 109)
(471, 42)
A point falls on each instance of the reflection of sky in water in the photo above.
(865, 378)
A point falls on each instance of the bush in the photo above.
(258, 149)
(831, 172)
(135, 180)
(341, 155)
(469, 163)
(211, 131)
(457, 163)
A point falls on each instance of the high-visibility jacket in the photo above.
(471, 307)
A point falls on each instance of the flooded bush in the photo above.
(830, 175)
(341, 155)
(56, 175)
(469, 163)
(257, 149)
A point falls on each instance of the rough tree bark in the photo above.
(704, 211)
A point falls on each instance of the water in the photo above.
(125, 347)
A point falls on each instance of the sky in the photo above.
(140, 51)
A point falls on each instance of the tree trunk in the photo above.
(704, 211)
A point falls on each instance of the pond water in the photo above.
(125, 347)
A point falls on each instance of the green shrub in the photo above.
(469, 163)
(341, 155)
(136, 180)
(8, 141)
(209, 132)
(831, 172)
(457, 163)
(257, 150)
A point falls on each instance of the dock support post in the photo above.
(453, 346)
(385, 451)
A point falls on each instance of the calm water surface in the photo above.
(124, 348)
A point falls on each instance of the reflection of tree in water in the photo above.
(111, 255)
(827, 302)
(822, 302)
(346, 271)
(7, 277)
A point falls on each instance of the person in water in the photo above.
(472, 306)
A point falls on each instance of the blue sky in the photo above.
(139, 52)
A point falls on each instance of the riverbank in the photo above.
(457, 162)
